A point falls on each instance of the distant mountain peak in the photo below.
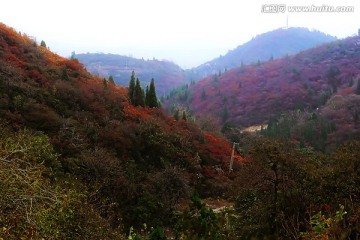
(270, 45)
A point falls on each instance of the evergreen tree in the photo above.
(203, 95)
(152, 99)
(177, 114)
(143, 96)
(332, 74)
(111, 80)
(43, 44)
(351, 82)
(131, 89)
(138, 95)
(225, 114)
(73, 56)
(184, 116)
(356, 118)
(157, 234)
(105, 83)
(64, 75)
(147, 96)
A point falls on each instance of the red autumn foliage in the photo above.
(82, 111)
(255, 93)
(346, 91)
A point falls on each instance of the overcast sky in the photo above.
(187, 32)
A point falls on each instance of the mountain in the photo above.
(166, 74)
(269, 45)
(253, 94)
(78, 161)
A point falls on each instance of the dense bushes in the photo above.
(34, 204)
(281, 190)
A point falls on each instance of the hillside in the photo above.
(78, 161)
(254, 94)
(274, 44)
(167, 75)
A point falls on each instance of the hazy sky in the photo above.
(187, 32)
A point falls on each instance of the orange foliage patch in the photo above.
(220, 149)
(346, 91)
(137, 113)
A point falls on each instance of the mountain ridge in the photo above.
(165, 73)
(253, 94)
(269, 45)
(168, 75)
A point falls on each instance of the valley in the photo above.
(92, 148)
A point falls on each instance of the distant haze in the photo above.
(186, 32)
